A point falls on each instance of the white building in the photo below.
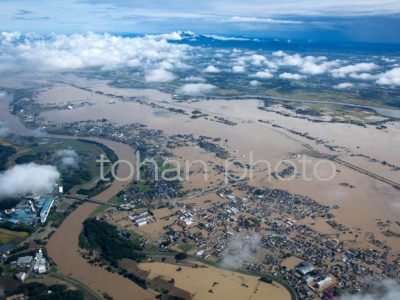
(141, 219)
(22, 276)
(41, 264)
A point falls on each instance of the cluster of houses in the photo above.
(276, 215)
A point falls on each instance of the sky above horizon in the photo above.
(324, 21)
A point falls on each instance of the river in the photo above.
(63, 246)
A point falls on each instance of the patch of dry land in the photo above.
(212, 283)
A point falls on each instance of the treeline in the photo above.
(105, 238)
(16, 227)
(5, 153)
(139, 281)
(37, 157)
(74, 177)
(109, 153)
(8, 203)
(100, 186)
(39, 291)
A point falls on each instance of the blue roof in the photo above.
(46, 208)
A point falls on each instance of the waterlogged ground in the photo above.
(359, 206)
(212, 283)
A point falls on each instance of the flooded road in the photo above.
(63, 246)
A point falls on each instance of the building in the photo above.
(41, 264)
(324, 283)
(21, 276)
(24, 261)
(45, 210)
(304, 268)
(141, 219)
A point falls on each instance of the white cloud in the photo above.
(353, 69)
(194, 79)
(255, 83)
(225, 38)
(68, 158)
(196, 89)
(266, 74)
(362, 76)
(237, 19)
(294, 60)
(159, 75)
(211, 69)
(382, 290)
(60, 52)
(10, 37)
(257, 59)
(343, 86)
(388, 60)
(38, 132)
(240, 250)
(238, 69)
(174, 36)
(391, 77)
(291, 76)
(312, 65)
(27, 178)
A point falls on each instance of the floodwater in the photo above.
(359, 206)
(223, 283)
(63, 246)
(9, 120)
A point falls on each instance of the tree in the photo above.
(181, 256)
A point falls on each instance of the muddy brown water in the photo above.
(63, 246)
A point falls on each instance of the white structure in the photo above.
(22, 276)
(327, 281)
(24, 261)
(141, 219)
(305, 268)
(188, 221)
(41, 264)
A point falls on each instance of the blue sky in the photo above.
(327, 20)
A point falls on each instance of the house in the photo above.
(41, 263)
(141, 219)
(21, 276)
(304, 268)
(24, 261)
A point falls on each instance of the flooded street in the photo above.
(358, 207)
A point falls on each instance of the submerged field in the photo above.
(205, 282)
